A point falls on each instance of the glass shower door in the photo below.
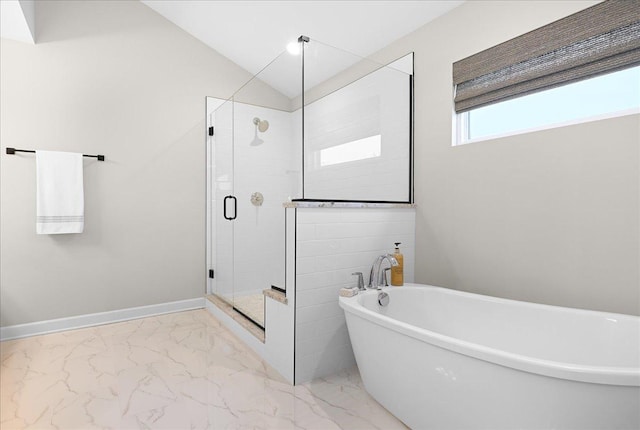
(223, 230)
(257, 147)
(248, 204)
(238, 226)
(249, 191)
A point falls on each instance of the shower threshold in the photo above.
(252, 306)
(238, 316)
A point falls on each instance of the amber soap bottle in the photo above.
(397, 272)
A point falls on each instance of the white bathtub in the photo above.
(444, 359)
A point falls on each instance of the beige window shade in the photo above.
(594, 41)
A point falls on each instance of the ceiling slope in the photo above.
(252, 33)
(17, 20)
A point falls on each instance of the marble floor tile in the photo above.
(176, 371)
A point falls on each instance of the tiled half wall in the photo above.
(331, 244)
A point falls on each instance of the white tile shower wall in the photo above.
(253, 244)
(377, 104)
(331, 244)
(259, 230)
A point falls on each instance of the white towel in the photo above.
(60, 194)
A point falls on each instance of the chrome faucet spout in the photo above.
(377, 273)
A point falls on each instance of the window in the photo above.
(369, 147)
(581, 67)
(613, 94)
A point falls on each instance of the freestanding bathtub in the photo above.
(444, 359)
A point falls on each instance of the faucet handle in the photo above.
(360, 280)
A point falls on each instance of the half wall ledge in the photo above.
(342, 205)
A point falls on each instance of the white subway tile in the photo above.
(335, 243)
(318, 296)
(323, 343)
(317, 328)
(306, 232)
(312, 280)
(317, 312)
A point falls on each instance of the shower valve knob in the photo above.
(257, 199)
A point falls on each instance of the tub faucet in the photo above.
(376, 277)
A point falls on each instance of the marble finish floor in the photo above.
(174, 371)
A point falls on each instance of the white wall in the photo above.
(113, 78)
(550, 216)
(332, 244)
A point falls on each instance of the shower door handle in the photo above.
(235, 208)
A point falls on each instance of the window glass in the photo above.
(361, 149)
(617, 92)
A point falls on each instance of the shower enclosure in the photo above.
(316, 124)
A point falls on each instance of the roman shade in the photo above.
(601, 39)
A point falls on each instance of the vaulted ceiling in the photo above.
(252, 33)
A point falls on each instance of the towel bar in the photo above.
(11, 151)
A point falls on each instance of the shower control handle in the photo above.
(235, 208)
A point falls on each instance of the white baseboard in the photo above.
(88, 320)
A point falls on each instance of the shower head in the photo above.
(261, 125)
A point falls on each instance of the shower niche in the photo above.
(318, 125)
